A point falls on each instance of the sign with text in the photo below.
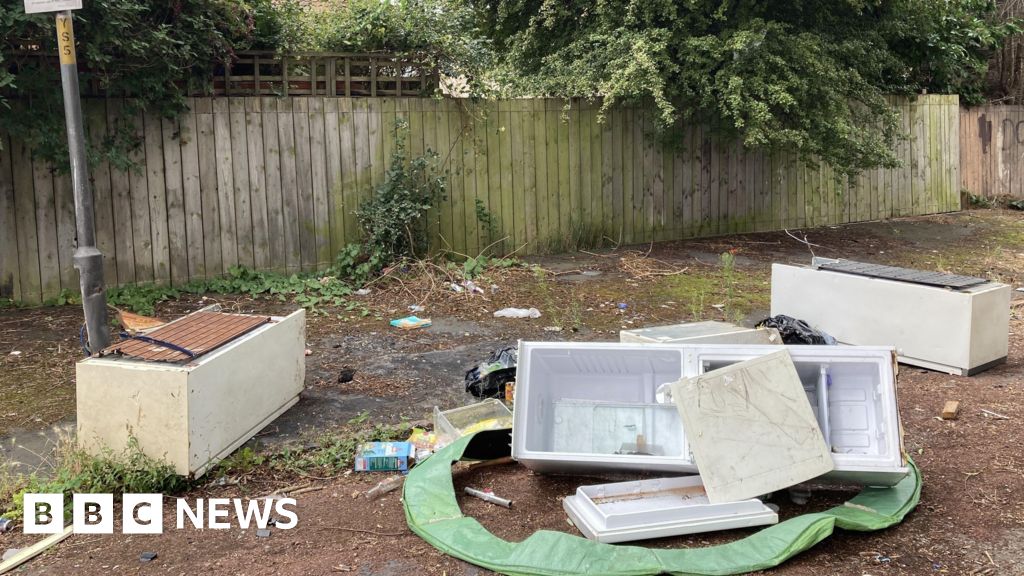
(37, 6)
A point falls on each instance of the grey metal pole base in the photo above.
(89, 262)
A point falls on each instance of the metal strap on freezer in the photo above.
(942, 280)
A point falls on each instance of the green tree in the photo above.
(443, 34)
(810, 76)
(150, 50)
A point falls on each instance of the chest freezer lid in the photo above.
(751, 429)
(910, 275)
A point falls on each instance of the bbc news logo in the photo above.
(144, 513)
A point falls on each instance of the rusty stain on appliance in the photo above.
(188, 337)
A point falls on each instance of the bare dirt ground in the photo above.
(971, 516)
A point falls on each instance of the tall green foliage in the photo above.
(809, 76)
(444, 34)
(150, 50)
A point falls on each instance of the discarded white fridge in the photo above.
(594, 406)
(954, 324)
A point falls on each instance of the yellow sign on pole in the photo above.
(65, 39)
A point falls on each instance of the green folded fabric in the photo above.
(434, 514)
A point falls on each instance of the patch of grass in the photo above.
(551, 307)
(739, 292)
(327, 453)
(76, 471)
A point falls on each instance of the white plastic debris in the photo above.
(517, 313)
(362, 292)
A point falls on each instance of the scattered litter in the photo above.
(510, 393)
(416, 308)
(517, 313)
(489, 378)
(16, 353)
(951, 410)
(346, 374)
(6, 524)
(472, 287)
(424, 443)
(137, 323)
(656, 508)
(383, 456)
(263, 533)
(225, 481)
(411, 323)
(456, 287)
(449, 425)
(308, 352)
(383, 487)
(552, 328)
(995, 415)
(488, 497)
(623, 305)
(591, 273)
(9, 553)
(147, 556)
(795, 331)
(362, 292)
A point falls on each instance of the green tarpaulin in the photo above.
(434, 514)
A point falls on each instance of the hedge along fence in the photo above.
(271, 183)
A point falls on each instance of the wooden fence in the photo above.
(272, 183)
(992, 151)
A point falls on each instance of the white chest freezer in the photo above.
(954, 324)
(194, 412)
(593, 406)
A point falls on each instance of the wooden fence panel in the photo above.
(274, 182)
(992, 151)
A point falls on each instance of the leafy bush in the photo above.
(394, 219)
(150, 50)
(805, 76)
(309, 290)
(441, 33)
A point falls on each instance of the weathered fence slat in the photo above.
(10, 272)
